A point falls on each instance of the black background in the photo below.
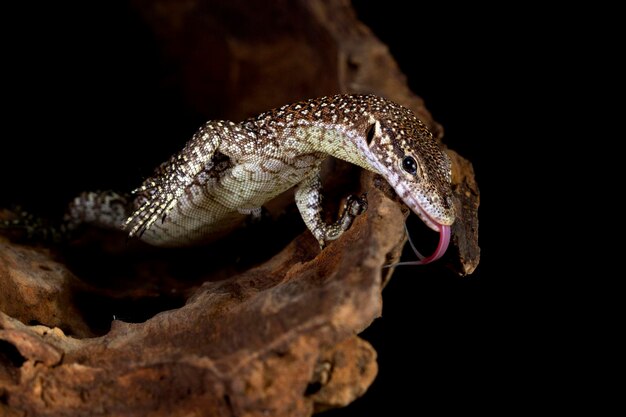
(446, 343)
(443, 342)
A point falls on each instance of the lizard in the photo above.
(229, 170)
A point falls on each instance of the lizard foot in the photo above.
(354, 206)
(255, 216)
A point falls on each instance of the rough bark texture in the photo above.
(278, 338)
(275, 336)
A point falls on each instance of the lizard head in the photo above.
(403, 150)
(411, 161)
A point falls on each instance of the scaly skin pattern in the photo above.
(229, 170)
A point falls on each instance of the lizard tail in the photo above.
(105, 209)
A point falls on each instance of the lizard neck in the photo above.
(339, 141)
(334, 126)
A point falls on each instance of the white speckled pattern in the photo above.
(229, 168)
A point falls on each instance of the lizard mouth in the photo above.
(416, 208)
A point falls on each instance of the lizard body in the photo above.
(229, 170)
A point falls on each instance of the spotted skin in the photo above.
(106, 209)
(229, 170)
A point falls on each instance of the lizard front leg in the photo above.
(309, 201)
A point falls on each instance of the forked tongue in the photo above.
(442, 246)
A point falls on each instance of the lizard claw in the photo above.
(354, 207)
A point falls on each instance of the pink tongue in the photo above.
(444, 241)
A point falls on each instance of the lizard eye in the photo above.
(409, 165)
